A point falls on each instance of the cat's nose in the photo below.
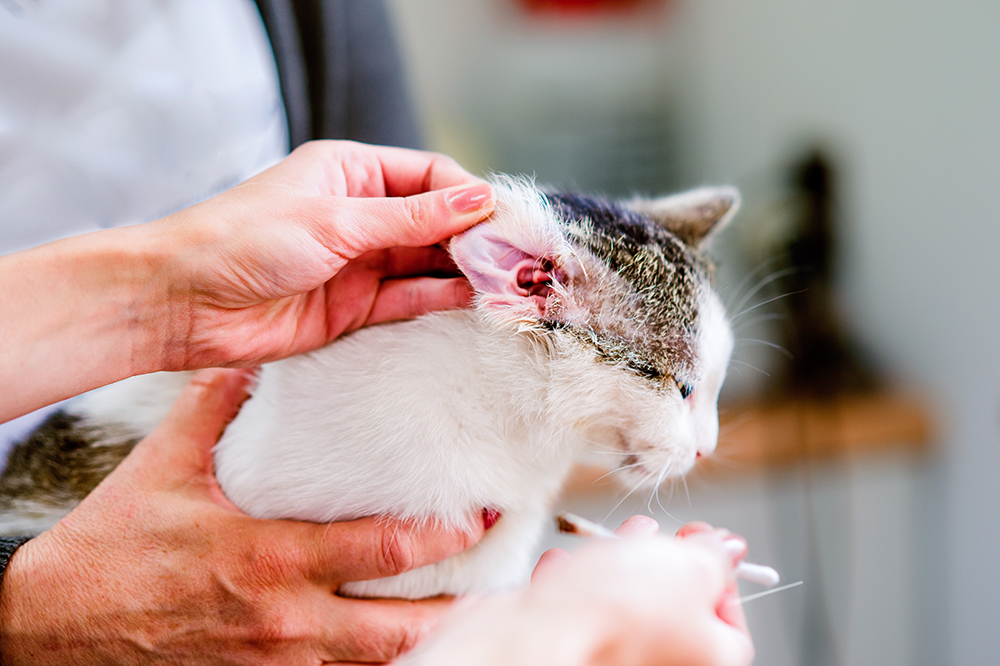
(707, 438)
(706, 448)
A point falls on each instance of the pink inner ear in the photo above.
(534, 280)
(507, 277)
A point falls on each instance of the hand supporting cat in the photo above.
(156, 566)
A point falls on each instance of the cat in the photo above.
(595, 326)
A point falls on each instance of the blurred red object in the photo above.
(589, 6)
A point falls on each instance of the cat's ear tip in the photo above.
(724, 199)
(729, 194)
(695, 216)
(731, 200)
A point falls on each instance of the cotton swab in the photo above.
(751, 597)
(570, 523)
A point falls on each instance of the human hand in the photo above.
(155, 566)
(634, 526)
(643, 599)
(337, 236)
(735, 546)
(333, 238)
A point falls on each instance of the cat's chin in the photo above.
(637, 470)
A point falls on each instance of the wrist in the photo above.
(20, 624)
(44, 619)
(78, 314)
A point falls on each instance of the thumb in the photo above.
(183, 441)
(377, 223)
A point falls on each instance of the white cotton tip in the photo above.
(570, 523)
(735, 547)
(758, 573)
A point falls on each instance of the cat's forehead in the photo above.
(666, 279)
(633, 245)
(656, 264)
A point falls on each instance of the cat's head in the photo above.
(619, 296)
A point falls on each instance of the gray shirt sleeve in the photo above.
(340, 71)
(8, 545)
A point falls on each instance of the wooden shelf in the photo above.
(795, 430)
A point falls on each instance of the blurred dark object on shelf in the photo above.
(826, 361)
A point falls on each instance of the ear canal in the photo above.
(694, 217)
(507, 279)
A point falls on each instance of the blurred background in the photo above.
(864, 138)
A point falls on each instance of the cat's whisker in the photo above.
(776, 275)
(722, 458)
(325, 530)
(664, 509)
(787, 354)
(656, 487)
(763, 303)
(731, 425)
(585, 439)
(752, 367)
(617, 469)
(552, 436)
(622, 500)
(686, 491)
(771, 316)
(738, 289)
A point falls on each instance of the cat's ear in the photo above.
(694, 217)
(512, 281)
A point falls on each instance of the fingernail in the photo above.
(490, 518)
(470, 199)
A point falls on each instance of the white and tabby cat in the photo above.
(595, 327)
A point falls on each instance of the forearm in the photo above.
(80, 313)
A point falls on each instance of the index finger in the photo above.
(407, 172)
(376, 547)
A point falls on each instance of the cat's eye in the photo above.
(684, 388)
(644, 370)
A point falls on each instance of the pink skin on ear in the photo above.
(506, 277)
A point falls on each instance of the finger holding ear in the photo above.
(354, 226)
